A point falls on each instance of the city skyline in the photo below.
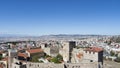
(44, 17)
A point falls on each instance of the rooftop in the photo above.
(22, 55)
(94, 49)
(35, 50)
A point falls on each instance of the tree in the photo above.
(55, 60)
(41, 61)
(35, 59)
(112, 53)
(46, 56)
(109, 42)
(59, 57)
(0, 57)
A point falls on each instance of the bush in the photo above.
(57, 59)
(112, 53)
(35, 59)
(0, 57)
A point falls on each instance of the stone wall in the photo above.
(44, 65)
(67, 65)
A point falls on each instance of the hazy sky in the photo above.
(41, 17)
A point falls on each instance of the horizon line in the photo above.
(11, 34)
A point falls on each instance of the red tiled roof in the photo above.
(22, 55)
(5, 59)
(94, 49)
(35, 50)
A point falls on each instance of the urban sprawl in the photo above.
(59, 51)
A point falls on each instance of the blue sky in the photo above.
(44, 17)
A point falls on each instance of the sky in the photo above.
(44, 17)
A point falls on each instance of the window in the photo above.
(91, 60)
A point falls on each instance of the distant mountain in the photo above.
(16, 37)
(71, 36)
(50, 36)
(12, 35)
(75, 35)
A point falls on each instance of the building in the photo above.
(23, 56)
(18, 64)
(3, 63)
(35, 51)
(94, 54)
(66, 50)
(77, 55)
(12, 53)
